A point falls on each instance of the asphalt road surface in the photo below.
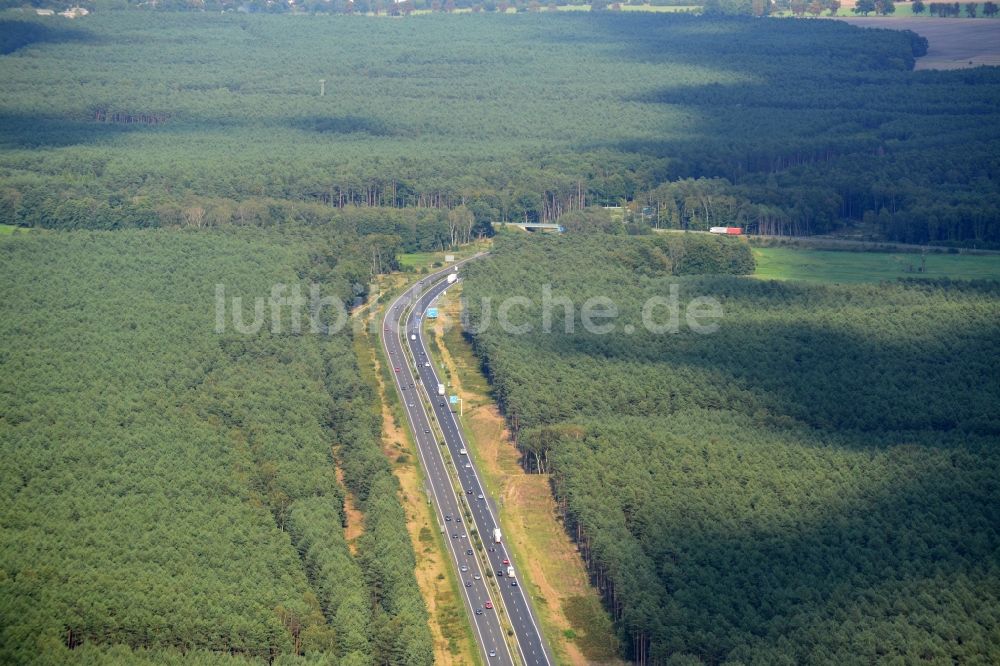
(417, 382)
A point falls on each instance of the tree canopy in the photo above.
(814, 482)
(167, 488)
(141, 119)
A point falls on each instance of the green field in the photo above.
(417, 259)
(636, 8)
(583, 8)
(8, 229)
(426, 260)
(774, 263)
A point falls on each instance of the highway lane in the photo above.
(531, 646)
(461, 545)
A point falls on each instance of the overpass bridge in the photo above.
(534, 226)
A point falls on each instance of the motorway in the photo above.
(417, 382)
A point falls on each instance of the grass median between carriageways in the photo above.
(454, 643)
(572, 619)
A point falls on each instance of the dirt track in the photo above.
(954, 42)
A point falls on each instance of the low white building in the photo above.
(74, 12)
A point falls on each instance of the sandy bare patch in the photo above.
(452, 646)
(556, 574)
(352, 515)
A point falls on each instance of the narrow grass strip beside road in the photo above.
(570, 612)
(453, 637)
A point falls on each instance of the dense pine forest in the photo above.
(167, 490)
(814, 482)
(132, 119)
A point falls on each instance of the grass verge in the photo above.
(450, 628)
(568, 608)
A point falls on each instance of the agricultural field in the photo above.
(813, 481)
(777, 263)
(135, 119)
(952, 43)
(168, 484)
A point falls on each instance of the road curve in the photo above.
(472, 580)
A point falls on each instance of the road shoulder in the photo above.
(573, 620)
(449, 625)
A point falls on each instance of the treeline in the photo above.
(346, 7)
(168, 482)
(954, 9)
(398, 624)
(800, 8)
(416, 229)
(811, 483)
(804, 127)
(662, 254)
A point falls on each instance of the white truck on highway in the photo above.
(440, 389)
(510, 572)
(452, 277)
(496, 535)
